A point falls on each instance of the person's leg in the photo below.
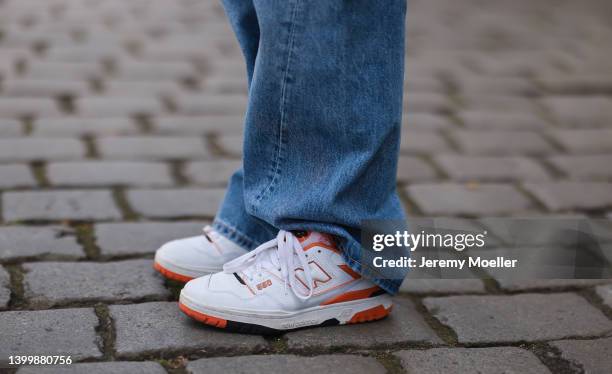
(322, 124)
(243, 19)
(323, 121)
(192, 257)
(320, 154)
(232, 219)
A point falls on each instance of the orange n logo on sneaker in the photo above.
(318, 274)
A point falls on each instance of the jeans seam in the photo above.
(283, 106)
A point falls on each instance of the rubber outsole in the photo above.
(372, 314)
(170, 274)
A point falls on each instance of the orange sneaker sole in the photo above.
(372, 314)
(204, 318)
(170, 274)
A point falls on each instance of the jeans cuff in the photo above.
(233, 234)
(389, 285)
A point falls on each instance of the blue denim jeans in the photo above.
(322, 126)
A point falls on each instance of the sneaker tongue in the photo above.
(308, 237)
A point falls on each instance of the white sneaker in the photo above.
(185, 259)
(286, 283)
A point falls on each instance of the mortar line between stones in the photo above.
(552, 358)
(17, 299)
(39, 171)
(86, 238)
(444, 332)
(106, 331)
(390, 362)
(121, 201)
(595, 300)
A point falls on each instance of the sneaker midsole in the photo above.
(342, 312)
(193, 273)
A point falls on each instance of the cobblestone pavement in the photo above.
(120, 122)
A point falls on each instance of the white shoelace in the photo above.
(280, 254)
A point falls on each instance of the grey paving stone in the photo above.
(584, 166)
(337, 363)
(593, 356)
(156, 70)
(116, 367)
(517, 318)
(166, 203)
(10, 127)
(84, 53)
(404, 325)
(414, 169)
(198, 125)
(594, 62)
(422, 142)
(518, 63)
(164, 88)
(498, 120)
(580, 111)
(58, 205)
(226, 85)
(535, 270)
(565, 195)
(161, 326)
(98, 106)
(76, 126)
(605, 293)
(5, 291)
(501, 142)
(44, 88)
(455, 199)
(128, 238)
(13, 107)
(12, 176)
(24, 242)
(152, 147)
(491, 85)
(550, 230)
(66, 332)
(546, 284)
(230, 144)
(109, 173)
(211, 173)
(426, 122)
(507, 103)
(583, 83)
(424, 84)
(491, 168)
(51, 283)
(209, 104)
(43, 149)
(63, 70)
(426, 102)
(463, 360)
(584, 140)
(173, 49)
(441, 286)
